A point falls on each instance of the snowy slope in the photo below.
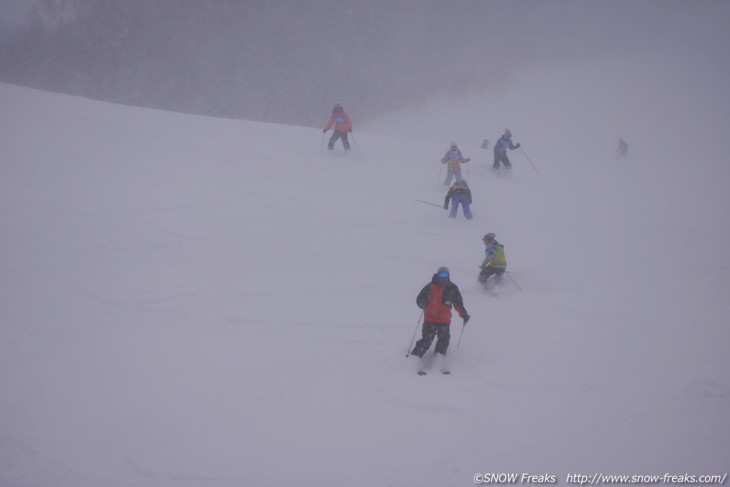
(191, 301)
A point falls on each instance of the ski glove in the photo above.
(446, 207)
(324, 130)
(350, 130)
(466, 319)
(517, 146)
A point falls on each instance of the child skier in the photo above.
(494, 263)
(459, 193)
(453, 159)
(500, 150)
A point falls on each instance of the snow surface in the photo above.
(191, 301)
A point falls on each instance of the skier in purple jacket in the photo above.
(500, 150)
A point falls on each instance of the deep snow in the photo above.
(192, 301)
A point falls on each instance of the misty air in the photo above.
(364, 243)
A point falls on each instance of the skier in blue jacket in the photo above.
(500, 150)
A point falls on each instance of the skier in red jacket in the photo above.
(342, 124)
(436, 300)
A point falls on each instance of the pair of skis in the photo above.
(443, 372)
(426, 365)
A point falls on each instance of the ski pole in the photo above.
(355, 141)
(461, 335)
(321, 144)
(439, 178)
(533, 166)
(408, 353)
(513, 280)
(429, 203)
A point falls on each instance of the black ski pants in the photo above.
(503, 159)
(339, 135)
(491, 271)
(429, 331)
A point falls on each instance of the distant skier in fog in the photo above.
(500, 150)
(342, 124)
(485, 144)
(622, 151)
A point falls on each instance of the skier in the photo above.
(622, 151)
(485, 144)
(436, 300)
(342, 124)
(453, 159)
(459, 193)
(494, 263)
(500, 150)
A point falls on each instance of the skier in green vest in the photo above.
(494, 263)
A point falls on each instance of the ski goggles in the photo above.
(442, 274)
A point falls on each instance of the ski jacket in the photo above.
(453, 158)
(455, 190)
(340, 120)
(436, 301)
(502, 145)
(495, 256)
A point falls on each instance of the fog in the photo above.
(189, 301)
(193, 301)
(288, 61)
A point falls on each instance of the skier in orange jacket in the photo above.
(342, 124)
(436, 300)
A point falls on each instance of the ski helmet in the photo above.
(337, 106)
(453, 145)
(462, 182)
(489, 236)
(507, 133)
(443, 272)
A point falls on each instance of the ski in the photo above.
(427, 363)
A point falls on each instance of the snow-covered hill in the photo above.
(192, 301)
